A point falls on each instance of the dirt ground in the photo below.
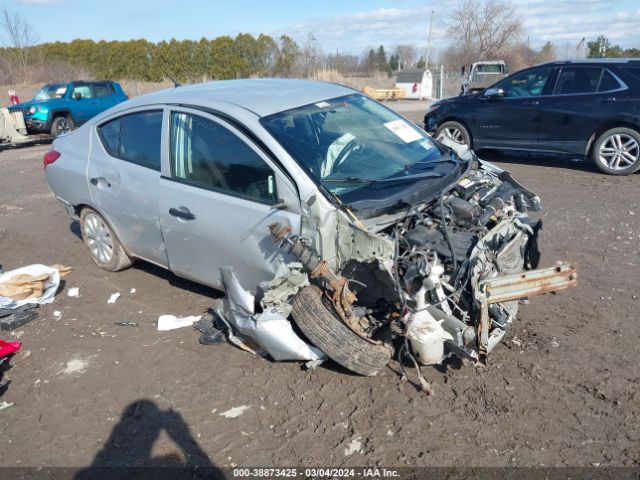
(562, 390)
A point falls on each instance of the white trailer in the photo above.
(417, 84)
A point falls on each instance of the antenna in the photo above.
(176, 83)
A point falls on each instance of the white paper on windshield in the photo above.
(404, 131)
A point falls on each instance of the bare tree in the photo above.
(406, 56)
(20, 39)
(481, 28)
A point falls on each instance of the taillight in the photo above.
(50, 157)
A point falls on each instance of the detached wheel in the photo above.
(104, 248)
(61, 125)
(325, 330)
(617, 151)
(455, 131)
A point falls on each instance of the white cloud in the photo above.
(563, 23)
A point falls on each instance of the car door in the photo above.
(218, 195)
(83, 104)
(511, 120)
(124, 174)
(584, 97)
(105, 97)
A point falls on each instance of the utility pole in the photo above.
(429, 40)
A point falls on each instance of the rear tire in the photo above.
(105, 249)
(325, 330)
(455, 131)
(617, 151)
(61, 125)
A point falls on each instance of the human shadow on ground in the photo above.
(127, 453)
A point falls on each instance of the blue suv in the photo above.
(59, 107)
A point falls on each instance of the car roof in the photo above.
(590, 61)
(260, 96)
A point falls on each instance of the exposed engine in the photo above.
(461, 265)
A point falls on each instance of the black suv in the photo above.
(589, 108)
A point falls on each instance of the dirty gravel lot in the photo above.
(560, 391)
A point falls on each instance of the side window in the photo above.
(110, 133)
(526, 84)
(101, 90)
(608, 82)
(207, 154)
(578, 80)
(134, 138)
(81, 91)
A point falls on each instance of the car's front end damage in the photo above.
(406, 245)
(448, 276)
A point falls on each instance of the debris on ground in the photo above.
(31, 284)
(171, 322)
(235, 411)
(114, 298)
(8, 348)
(57, 313)
(4, 405)
(271, 328)
(73, 292)
(12, 318)
(127, 324)
(132, 291)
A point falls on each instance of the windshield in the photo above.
(352, 143)
(49, 92)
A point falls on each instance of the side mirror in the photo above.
(493, 93)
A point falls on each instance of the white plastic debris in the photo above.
(114, 297)
(133, 290)
(57, 314)
(270, 329)
(51, 285)
(171, 322)
(354, 446)
(73, 292)
(235, 411)
(4, 405)
(427, 338)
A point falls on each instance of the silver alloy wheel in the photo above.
(619, 151)
(62, 126)
(98, 238)
(454, 134)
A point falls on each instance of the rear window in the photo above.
(102, 90)
(578, 80)
(134, 138)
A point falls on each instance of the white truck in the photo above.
(480, 75)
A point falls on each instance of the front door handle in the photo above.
(606, 99)
(182, 212)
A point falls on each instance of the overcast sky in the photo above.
(344, 25)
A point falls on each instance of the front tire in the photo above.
(61, 125)
(617, 151)
(325, 330)
(454, 131)
(105, 249)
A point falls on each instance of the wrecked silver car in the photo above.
(311, 202)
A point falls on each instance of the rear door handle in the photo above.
(606, 99)
(531, 102)
(182, 212)
(100, 182)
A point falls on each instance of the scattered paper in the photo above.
(73, 292)
(171, 322)
(4, 405)
(235, 411)
(133, 290)
(114, 297)
(57, 314)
